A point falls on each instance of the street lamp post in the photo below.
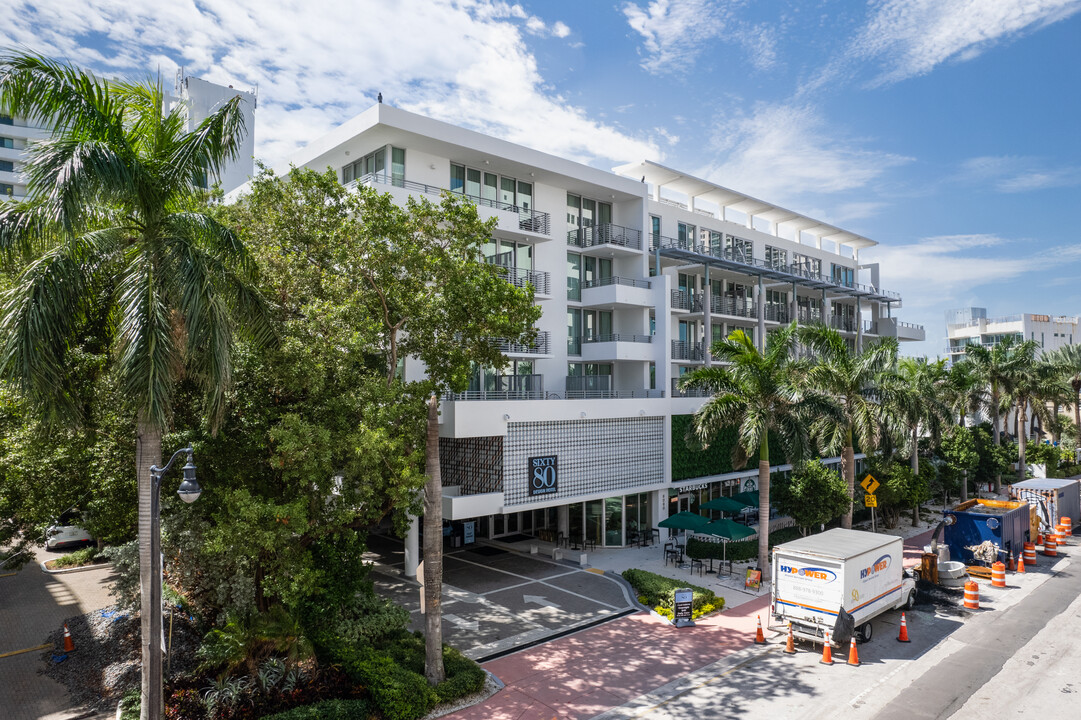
(189, 492)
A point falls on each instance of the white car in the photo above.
(67, 532)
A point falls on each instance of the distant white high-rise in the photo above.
(201, 98)
(971, 326)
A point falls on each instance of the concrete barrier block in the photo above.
(533, 549)
(582, 559)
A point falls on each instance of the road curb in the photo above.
(65, 571)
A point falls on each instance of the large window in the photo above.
(843, 275)
(574, 276)
(776, 257)
(583, 212)
(685, 235)
(7, 166)
(738, 249)
(491, 188)
(806, 264)
(574, 331)
(7, 143)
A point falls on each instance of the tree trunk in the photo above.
(997, 437)
(763, 509)
(848, 469)
(915, 461)
(148, 453)
(1022, 439)
(433, 553)
(964, 486)
(1076, 384)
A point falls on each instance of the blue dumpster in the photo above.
(970, 523)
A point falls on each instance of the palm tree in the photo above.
(1031, 383)
(913, 397)
(108, 214)
(998, 367)
(760, 393)
(963, 391)
(1068, 359)
(852, 379)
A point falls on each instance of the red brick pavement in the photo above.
(593, 671)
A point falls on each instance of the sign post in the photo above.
(869, 484)
(684, 601)
(420, 579)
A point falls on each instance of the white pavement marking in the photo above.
(527, 582)
(554, 587)
(461, 622)
(539, 600)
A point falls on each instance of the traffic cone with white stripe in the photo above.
(68, 644)
(853, 654)
(790, 645)
(827, 652)
(759, 638)
(903, 636)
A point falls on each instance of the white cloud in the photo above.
(911, 37)
(783, 151)
(675, 33)
(463, 61)
(1013, 174)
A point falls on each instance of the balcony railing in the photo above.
(617, 337)
(615, 280)
(506, 387)
(539, 279)
(688, 393)
(607, 234)
(911, 326)
(528, 219)
(808, 316)
(588, 383)
(777, 313)
(539, 347)
(683, 350)
(681, 300)
(739, 307)
(843, 323)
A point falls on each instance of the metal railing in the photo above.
(807, 316)
(528, 219)
(606, 234)
(616, 280)
(843, 323)
(617, 337)
(688, 393)
(910, 326)
(539, 347)
(684, 350)
(681, 300)
(776, 313)
(588, 383)
(506, 387)
(739, 307)
(539, 279)
(608, 394)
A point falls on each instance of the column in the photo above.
(563, 520)
(707, 300)
(793, 306)
(760, 300)
(859, 326)
(412, 547)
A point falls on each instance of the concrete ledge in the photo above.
(65, 571)
(581, 559)
(533, 550)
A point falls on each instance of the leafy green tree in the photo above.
(814, 495)
(852, 379)
(958, 450)
(107, 216)
(999, 368)
(760, 393)
(964, 391)
(1067, 360)
(899, 488)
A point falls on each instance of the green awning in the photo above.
(724, 504)
(748, 498)
(685, 521)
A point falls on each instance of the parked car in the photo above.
(67, 532)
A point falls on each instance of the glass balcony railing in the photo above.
(606, 234)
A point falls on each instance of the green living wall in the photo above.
(688, 462)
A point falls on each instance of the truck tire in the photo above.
(865, 633)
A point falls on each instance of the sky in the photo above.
(947, 130)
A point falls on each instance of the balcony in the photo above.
(540, 280)
(903, 331)
(808, 316)
(614, 239)
(506, 387)
(682, 300)
(687, 351)
(617, 292)
(541, 346)
(844, 323)
(528, 220)
(599, 387)
(734, 306)
(777, 313)
(689, 393)
(611, 347)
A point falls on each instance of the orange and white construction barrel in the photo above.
(972, 595)
(998, 575)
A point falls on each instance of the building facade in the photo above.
(971, 326)
(199, 96)
(637, 271)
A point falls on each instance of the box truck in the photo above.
(837, 582)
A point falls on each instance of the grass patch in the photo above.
(659, 592)
(79, 558)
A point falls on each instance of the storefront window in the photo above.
(613, 521)
(574, 524)
(594, 520)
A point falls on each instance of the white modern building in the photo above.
(637, 272)
(971, 326)
(200, 97)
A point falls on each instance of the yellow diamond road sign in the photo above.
(870, 501)
(870, 485)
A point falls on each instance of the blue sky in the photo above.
(947, 130)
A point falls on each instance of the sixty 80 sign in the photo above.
(543, 475)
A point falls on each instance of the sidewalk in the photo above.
(590, 672)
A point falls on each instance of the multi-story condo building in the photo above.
(201, 98)
(636, 271)
(971, 326)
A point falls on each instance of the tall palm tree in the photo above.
(914, 398)
(1068, 359)
(1031, 383)
(759, 393)
(963, 391)
(108, 214)
(998, 368)
(852, 379)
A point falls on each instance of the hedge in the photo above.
(659, 593)
(328, 710)
(688, 462)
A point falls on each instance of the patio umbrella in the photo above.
(727, 530)
(685, 521)
(747, 498)
(724, 504)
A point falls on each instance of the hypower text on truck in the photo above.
(822, 580)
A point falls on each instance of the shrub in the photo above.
(328, 710)
(86, 556)
(739, 551)
(660, 593)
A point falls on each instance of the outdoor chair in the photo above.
(697, 563)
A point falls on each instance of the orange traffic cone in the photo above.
(853, 656)
(827, 652)
(759, 638)
(1009, 562)
(1021, 564)
(68, 644)
(790, 645)
(1039, 538)
(903, 636)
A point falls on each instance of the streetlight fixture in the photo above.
(153, 637)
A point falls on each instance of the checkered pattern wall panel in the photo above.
(594, 456)
(474, 463)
